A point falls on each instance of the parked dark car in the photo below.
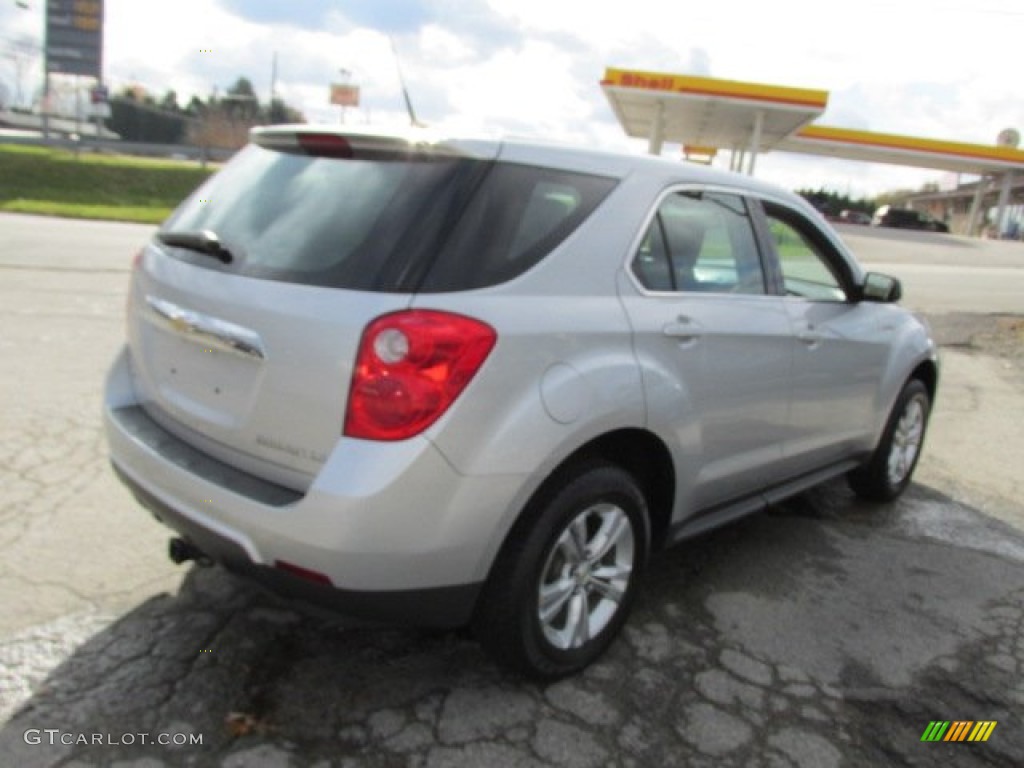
(854, 217)
(906, 218)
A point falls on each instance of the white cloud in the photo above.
(940, 68)
(446, 49)
(527, 87)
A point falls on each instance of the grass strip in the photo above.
(56, 182)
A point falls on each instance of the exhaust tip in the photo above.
(182, 550)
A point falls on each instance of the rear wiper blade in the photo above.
(200, 240)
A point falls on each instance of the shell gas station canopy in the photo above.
(707, 115)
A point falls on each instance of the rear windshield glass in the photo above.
(397, 223)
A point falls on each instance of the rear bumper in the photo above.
(438, 607)
(400, 535)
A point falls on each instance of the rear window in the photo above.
(395, 222)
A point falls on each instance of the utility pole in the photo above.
(273, 79)
(346, 79)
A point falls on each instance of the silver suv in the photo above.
(452, 382)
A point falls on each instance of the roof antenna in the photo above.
(405, 91)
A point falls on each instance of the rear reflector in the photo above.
(303, 573)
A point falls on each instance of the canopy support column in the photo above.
(657, 138)
(755, 141)
(972, 218)
(1003, 205)
(739, 157)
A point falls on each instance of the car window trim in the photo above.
(666, 251)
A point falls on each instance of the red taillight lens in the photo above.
(411, 367)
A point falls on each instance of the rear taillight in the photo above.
(410, 368)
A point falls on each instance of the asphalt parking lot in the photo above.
(823, 633)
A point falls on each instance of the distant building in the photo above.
(954, 207)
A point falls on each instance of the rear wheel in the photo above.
(887, 473)
(564, 583)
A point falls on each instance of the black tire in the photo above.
(589, 500)
(889, 470)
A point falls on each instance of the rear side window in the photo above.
(391, 222)
(517, 216)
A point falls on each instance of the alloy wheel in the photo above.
(586, 576)
(906, 441)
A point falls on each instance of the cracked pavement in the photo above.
(824, 633)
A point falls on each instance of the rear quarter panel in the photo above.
(563, 370)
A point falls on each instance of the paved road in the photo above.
(824, 633)
(944, 273)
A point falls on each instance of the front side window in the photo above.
(700, 241)
(806, 268)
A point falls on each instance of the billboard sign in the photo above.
(74, 37)
(344, 95)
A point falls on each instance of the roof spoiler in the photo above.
(348, 144)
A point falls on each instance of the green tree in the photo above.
(218, 121)
(831, 203)
(279, 113)
(136, 116)
(170, 101)
(242, 87)
(195, 107)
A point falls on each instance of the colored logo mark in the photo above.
(959, 730)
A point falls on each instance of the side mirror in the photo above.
(881, 288)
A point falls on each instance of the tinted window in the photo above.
(700, 241)
(349, 223)
(515, 218)
(385, 221)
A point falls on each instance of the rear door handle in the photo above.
(810, 336)
(683, 328)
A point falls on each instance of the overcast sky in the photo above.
(946, 69)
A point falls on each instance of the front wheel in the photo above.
(564, 582)
(887, 473)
